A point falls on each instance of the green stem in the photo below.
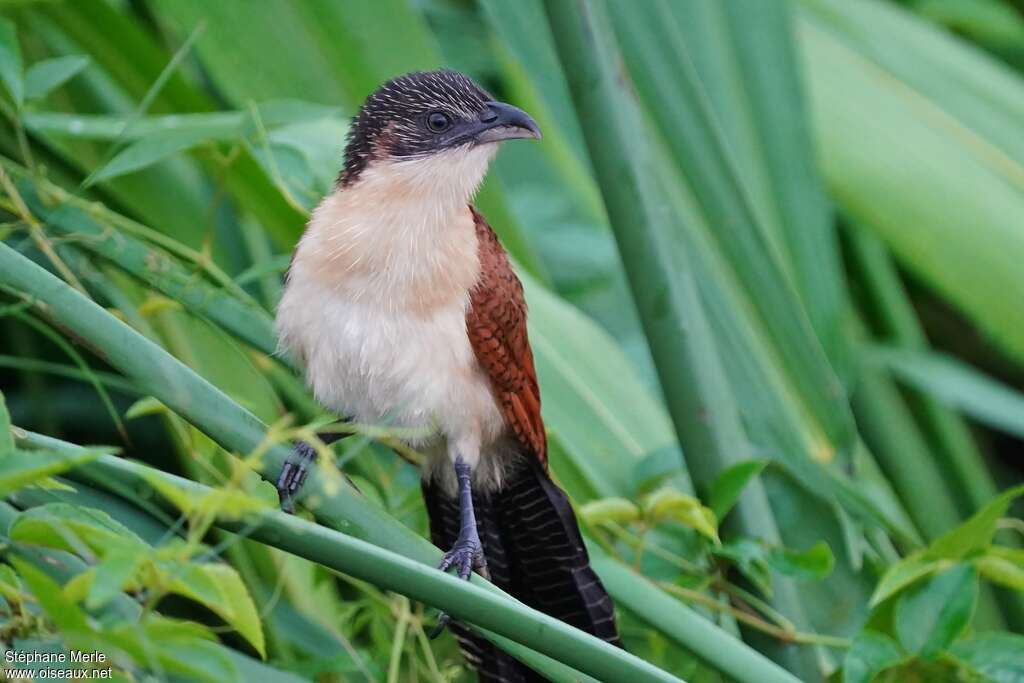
(504, 620)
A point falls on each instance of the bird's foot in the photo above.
(466, 555)
(293, 474)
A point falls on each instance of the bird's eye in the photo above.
(438, 121)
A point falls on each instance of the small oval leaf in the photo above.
(618, 510)
(933, 614)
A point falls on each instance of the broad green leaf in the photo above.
(6, 436)
(958, 385)
(658, 609)
(49, 74)
(1001, 570)
(230, 501)
(617, 510)
(999, 657)
(977, 532)
(70, 527)
(219, 588)
(744, 55)
(902, 574)
(250, 669)
(64, 614)
(657, 46)
(751, 559)
(177, 647)
(668, 504)
(993, 23)
(594, 403)
(150, 150)
(347, 49)
(932, 614)
(813, 564)
(10, 61)
(869, 655)
(726, 488)
(111, 575)
(298, 159)
(10, 584)
(21, 468)
(940, 150)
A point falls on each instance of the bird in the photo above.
(402, 308)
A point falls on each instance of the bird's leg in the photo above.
(467, 553)
(296, 467)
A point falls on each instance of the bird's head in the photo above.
(437, 129)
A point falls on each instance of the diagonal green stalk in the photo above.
(507, 621)
(334, 502)
(149, 263)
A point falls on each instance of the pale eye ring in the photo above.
(438, 121)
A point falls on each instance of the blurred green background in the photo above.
(774, 256)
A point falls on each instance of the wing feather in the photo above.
(496, 324)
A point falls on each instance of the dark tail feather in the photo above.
(534, 552)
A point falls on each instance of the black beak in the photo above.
(504, 122)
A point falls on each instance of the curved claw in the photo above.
(466, 555)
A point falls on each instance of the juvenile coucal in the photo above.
(403, 309)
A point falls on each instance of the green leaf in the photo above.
(297, 157)
(931, 615)
(151, 150)
(10, 585)
(812, 564)
(115, 571)
(10, 60)
(1014, 555)
(670, 504)
(43, 77)
(595, 402)
(751, 559)
(940, 150)
(231, 502)
(757, 202)
(870, 654)
(71, 527)
(617, 510)
(219, 588)
(64, 613)
(726, 488)
(958, 385)
(145, 406)
(6, 437)
(997, 656)
(977, 532)
(902, 574)
(659, 610)
(1001, 570)
(22, 468)
(178, 647)
(220, 125)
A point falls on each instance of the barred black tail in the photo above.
(535, 552)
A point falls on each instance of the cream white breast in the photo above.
(375, 306)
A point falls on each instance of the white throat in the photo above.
(402, 234)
